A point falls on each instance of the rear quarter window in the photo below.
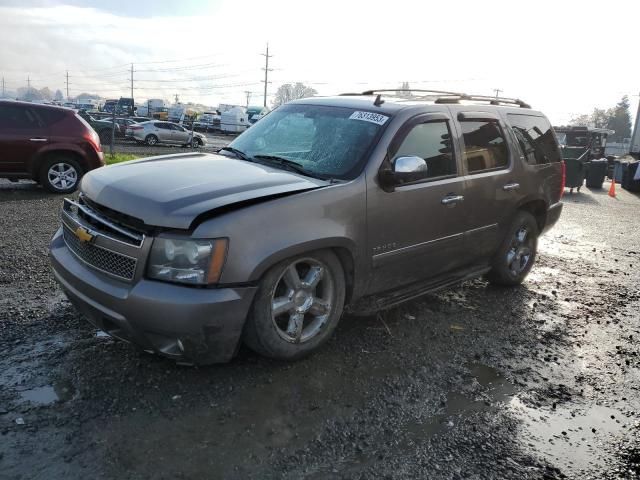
(51, 116)
(536, 138)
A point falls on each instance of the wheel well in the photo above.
(54, 153)
(537, 208)
(346, 259)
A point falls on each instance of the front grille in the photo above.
(107, 261)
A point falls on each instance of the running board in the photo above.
(373, 304)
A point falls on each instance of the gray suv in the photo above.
(354, 202)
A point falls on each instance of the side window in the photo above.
(535, 138)
(17, 118)
(431, 142)
(50, 116)
(484, 146)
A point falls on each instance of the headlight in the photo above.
(195, 262)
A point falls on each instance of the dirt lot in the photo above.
(475, 382)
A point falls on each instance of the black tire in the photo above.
(516, 257)
(265, 334)
(60, 174)
(151, 140)
(105, 137)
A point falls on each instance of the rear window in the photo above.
(535, 138)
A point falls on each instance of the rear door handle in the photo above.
(511, 186)
(38, 139)
(450, 199)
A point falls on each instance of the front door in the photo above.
(416, 231)
(22, 134)
(179, 134)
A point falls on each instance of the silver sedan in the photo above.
(154, 132)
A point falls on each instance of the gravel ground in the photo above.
(476, 382)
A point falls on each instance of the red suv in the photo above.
(51, 145)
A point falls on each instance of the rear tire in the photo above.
(297, 307)
(517, 253)
(60, 174)
(151, 140)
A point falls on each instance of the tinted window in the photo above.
(431, 142)
(536, 138)
(17, 117)
(50, 116)
(484, 146)
(164, 126)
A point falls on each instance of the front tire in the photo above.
(297, 307)
(517, 253)
(60, 174)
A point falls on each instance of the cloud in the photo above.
(540, 52)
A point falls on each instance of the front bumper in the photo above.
(192, 325)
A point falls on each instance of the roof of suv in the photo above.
(391, 104)
(9, 101)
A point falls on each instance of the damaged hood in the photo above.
(172, 190)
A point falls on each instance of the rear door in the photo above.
(22, 134)
(491, 181)
(416, 231)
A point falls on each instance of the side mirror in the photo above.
(404, 170)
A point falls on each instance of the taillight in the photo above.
(563, 182)
(135, 128)
(92, 137)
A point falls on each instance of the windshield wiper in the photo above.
(285, 162)
(238, 153)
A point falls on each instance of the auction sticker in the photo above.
(369, 117)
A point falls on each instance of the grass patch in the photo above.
(120, 157)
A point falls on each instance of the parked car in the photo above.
(358, 202)
(51, 145)
(155, 132)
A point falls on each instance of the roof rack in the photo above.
(442, 96)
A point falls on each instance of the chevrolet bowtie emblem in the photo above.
(83, 235)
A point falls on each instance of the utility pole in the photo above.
(634, 146)
(266, 72)
(28, 83)
(67, 85)
(132, 81)
(2, 87)
(498, 91)
(248, 96)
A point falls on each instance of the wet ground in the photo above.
(475, 382)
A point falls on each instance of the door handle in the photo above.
(511, 186)
(37, 139)
(450, 199)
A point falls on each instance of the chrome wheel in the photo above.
(302, 300)
(519, 254)
(152, 140)
(62, 176)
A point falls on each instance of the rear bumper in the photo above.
(193, 325)
(553, 215)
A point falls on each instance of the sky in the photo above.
(562, 57)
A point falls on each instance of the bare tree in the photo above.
(289, 92)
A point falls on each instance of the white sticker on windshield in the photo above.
(369, 117)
